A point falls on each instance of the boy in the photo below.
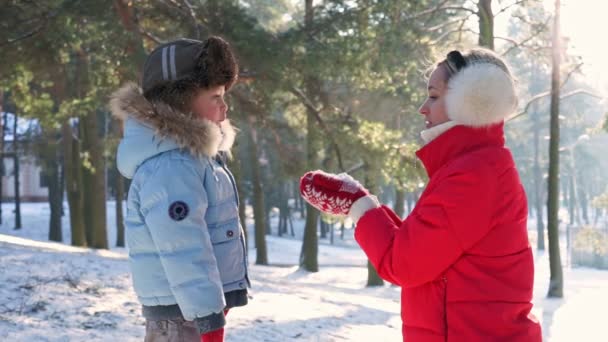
(186, 248)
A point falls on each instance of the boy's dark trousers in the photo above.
(180, 330)
(216, 335)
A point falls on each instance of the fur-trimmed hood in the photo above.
(153, 128)
(481, 94)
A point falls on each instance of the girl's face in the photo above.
(209, 104)
(434, 107)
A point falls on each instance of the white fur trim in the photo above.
(228, 135)
(214, 138)
(480, 94)
(430, 134)
(199, 136)
(361, 206)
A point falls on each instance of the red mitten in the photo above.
(331, 193)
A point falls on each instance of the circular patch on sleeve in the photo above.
(178, 210)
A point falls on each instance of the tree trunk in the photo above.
(324, 228)
(486, 24)
(399, 202)
(134, 47)
(556, 283)
(17, 175)
(73, 185)
(538, 180)
(572, 199)
(373, 279)
(267, 212)
(411, 200)
(119, 187)
(302, 205)
(309, 252)
(283, 208)
(2, 131)
(137, 55)
(120, 225)
(258, 197)
(95, 184)
(582, 203)
(310, 245)
(61, 183)
(52, 175)
(94, 194)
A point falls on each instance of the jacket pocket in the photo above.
(229, 252)
(224, 233)
(423, 308)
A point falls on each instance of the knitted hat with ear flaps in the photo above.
(175, 71)
(206, 63)
(480, 94)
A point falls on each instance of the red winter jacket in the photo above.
(462, 256)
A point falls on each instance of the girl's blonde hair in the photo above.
(455, 61)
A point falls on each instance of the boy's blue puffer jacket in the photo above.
(186, 245)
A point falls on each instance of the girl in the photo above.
(462, 256)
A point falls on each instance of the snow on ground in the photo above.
(55, 292)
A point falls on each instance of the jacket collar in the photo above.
(200, 137)
(430, 134)
(457, 141)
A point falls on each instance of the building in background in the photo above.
(32, 183)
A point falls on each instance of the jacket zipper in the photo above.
(232, 180)
(220, 161)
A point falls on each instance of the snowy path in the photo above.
(54, 292)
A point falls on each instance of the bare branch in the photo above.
(510, 40)
(45, 18)
(439, 7)
(22, 37)
(459, 30)
(448, 23)
(562, 96)
(192, 14)
(300, 94)
(174, 6)
(305, 100)
(547, 93)
(149, 36)
(567, 78)
(427, 11)
(535, 34)
(519, 2)
(355, 168)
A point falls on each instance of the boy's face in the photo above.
(209, 104)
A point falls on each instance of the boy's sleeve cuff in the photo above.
(361, 206)
(210, 323)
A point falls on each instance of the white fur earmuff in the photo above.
(480, 94)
